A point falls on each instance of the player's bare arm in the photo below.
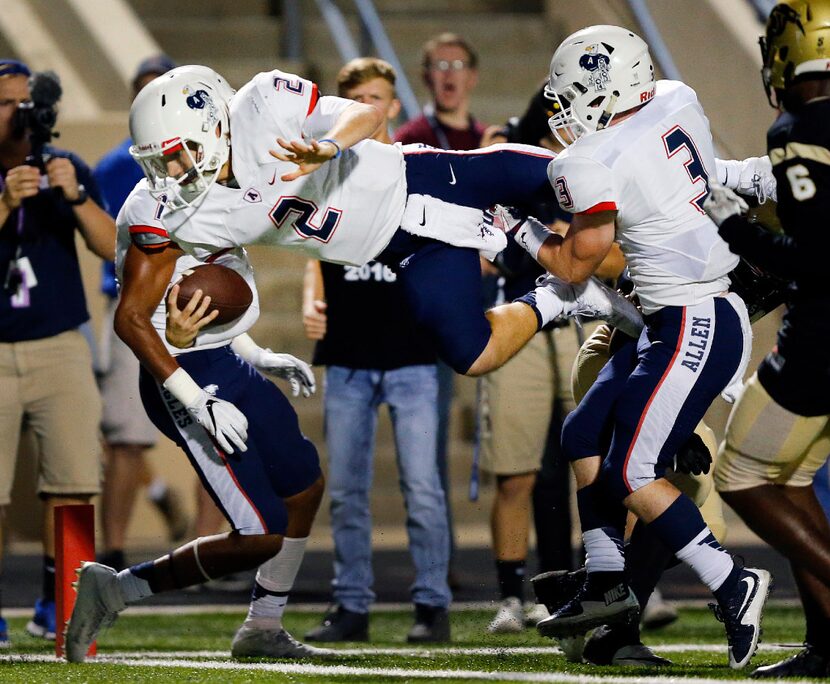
(146, 277)
(355, 123)
(578, 254)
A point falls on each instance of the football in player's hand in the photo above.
(228, 291)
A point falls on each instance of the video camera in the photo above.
(37, 118)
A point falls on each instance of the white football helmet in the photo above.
(596, 73)
(180, 128)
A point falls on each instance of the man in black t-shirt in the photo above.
(779, 431)
(372, 360)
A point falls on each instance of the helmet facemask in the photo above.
(178, 172)
(566, 125)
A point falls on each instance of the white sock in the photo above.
(707, 558)
(133, 588)
(602, 553)
(274, 580)
(548, 305)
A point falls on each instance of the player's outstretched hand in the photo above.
(308, 156)
(723, 203)
(184, 324)
(298, 373)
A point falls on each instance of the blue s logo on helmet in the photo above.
(198, 100)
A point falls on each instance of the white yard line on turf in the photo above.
(349, 671)
(458, 607)
(116, 656)
(459, 650)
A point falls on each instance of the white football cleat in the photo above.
(596, 300)
(97, 605)
(592, 299)
(572, 647)
(253, 642)
(510, 618)
(535, 613)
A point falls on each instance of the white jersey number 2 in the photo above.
(300, 214)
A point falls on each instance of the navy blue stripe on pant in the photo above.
(280, 462)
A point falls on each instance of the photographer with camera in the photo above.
(46, 378)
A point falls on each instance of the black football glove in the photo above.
(693, 457)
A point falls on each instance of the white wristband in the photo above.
(245, 347)
(531, 235)
(183, 387)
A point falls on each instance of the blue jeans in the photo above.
(352, 398)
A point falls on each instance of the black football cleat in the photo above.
(340, 624)
(591, 607)
(555, 588)
(806, 663)
(620, 646)
(741, 613)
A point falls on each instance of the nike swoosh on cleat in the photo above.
(751, 584)
(452, 176)
(273, 179)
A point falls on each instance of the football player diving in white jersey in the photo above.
(636, 170)
(214, 182)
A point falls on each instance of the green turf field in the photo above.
(194, 648)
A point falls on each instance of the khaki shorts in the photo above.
(766, 444)
(49, 384)
(124, 420)
(515, 409)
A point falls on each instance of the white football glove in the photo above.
(749, 177)
(506, 219)
(223, 421)
(723, 203)
(756, 179)
(298, 373)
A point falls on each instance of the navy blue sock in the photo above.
(530, 299)
(597, 510)
(682, 529)
(678, 524)
(729, 584)
(147, 572)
